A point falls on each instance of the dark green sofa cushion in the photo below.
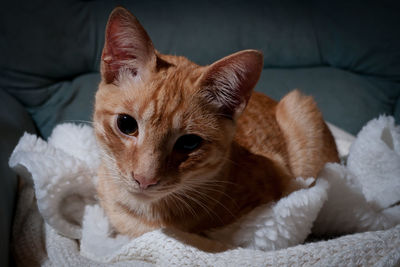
(52, 40)
(359, 36)
(47, 44)
(14, 121)
(72, 101)
(346, 99)
(344, 53)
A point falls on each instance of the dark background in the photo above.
(344, 53)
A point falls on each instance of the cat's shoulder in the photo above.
(260, 111)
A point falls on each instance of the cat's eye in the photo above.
(127, 125)
(188, 143)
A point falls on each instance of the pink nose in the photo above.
(143, 182)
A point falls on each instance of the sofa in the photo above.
(346, 54)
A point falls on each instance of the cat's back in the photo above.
(291, 132)
(258, 130)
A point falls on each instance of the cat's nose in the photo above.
(143, 181)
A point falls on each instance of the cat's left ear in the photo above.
(127, 47)
(228, 83)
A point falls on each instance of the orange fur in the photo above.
(247, 157)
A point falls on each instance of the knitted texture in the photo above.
(32, 240)
(61, 173)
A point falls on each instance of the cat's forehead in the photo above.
(169, 98)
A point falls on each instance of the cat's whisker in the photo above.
(208, 187)
(203, 197)
(201, 193)
(108, 157)
(178, 197)
(175, 203)
(211, 182)
(81, 121)
(201, 204)
(115, 178)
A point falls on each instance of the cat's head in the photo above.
(164, 123)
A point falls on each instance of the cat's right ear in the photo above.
(127, 47)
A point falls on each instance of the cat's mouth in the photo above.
(152, 192)
(149, 194)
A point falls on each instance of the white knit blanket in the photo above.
(65, 226)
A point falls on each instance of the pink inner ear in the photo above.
(111, 70)
(114, 52)
(119, 45)
(229, 82)
(127, 45)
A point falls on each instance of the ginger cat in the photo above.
(193, 147)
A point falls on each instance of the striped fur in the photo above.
(248, 155)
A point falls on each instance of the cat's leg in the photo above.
(310, 144)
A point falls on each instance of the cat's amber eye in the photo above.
(187, 143)
(127, 125)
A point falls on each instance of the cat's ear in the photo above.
(228, 83)
(127, 47)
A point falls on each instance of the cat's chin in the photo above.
(141, 194)
(144, 195)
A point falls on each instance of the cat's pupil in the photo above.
(188, 142)
(126, 124)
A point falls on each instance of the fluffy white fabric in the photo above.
(365, 194)
(63, 171)
(375, 160)
(62, 181)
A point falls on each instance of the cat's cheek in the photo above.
(195, 161)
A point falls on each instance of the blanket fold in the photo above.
(361, 196)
